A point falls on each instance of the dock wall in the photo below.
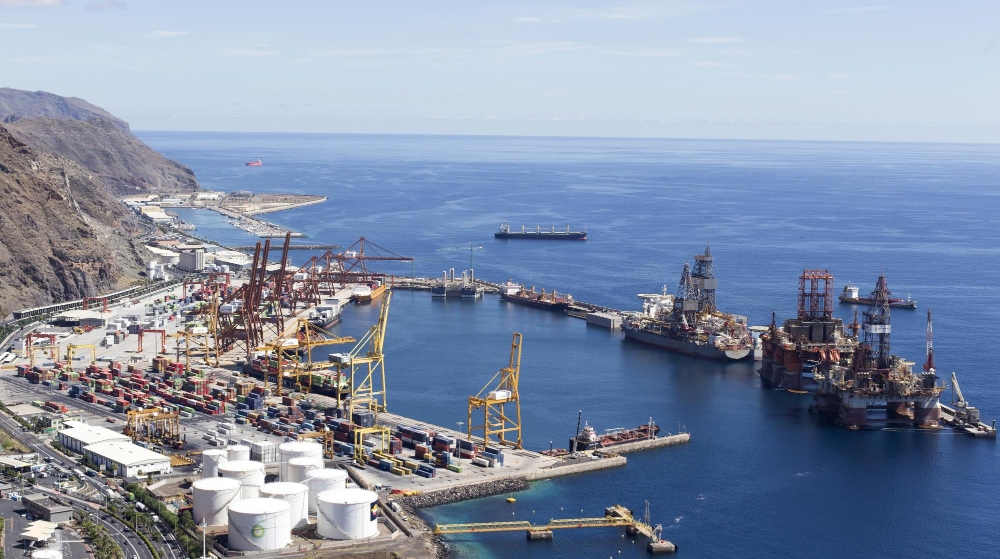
(589, 466)
(652, 443)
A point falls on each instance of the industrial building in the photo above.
(78, 435)
(164, 255)
(125, 459)
(192, 261)
(83, 318)
(40, 506)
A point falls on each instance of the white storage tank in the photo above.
(249, 474)
(212, 497)
(296, 449)
(327, 479)
(259, 525)
(239, 452)
(297, 496)
(299, 467)
(347, 514)
(211, 460)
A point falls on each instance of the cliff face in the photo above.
(123, 163)
(94, 138)
(62, 236)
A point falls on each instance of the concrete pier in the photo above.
(651, 443)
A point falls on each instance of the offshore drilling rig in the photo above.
(811, 343)
(877, 379)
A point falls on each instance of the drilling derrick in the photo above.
(817, 302)
(704, 281)
(876, 350)
(686, 302)
(929, 364)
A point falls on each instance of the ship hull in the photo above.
(369, 297)
(557, 306)
(687, 348)
(544, 235)
(898, 304)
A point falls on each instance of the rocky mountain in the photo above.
(62, 235)
(94, 138)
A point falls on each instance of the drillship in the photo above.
(689, 322)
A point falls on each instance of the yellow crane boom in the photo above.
(500, 392)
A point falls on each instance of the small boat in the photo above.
(851, 295)
(254, 163)
(511, 500)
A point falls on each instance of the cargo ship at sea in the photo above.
(539, 233)
(254, 163)
(851, 295)
(689, 322)
(516, 293)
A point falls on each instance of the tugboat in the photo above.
(851, 296)
(538, 233)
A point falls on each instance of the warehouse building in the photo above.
(125, 459)
(45, 508)
(78, 435)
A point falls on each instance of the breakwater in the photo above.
(465, 493)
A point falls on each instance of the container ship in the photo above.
(369, 292)
(851, 295)
(254, 163)
(588, 439)
(538, 233)
(689, 322)
(326, 315)
(516, 293)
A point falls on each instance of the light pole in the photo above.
(204, 529)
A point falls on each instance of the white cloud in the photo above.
(105, 5)
(642, 53)
(496, 49)
(838, 76)
(716, 40)
(527, 19)
(249, 52)
(17, 26)
(640, 10)
(168, 34)
(15, 3)
(856, 10)
(769, 77)
(710, 64)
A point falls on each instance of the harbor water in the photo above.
(761, 476)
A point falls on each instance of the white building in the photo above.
(125, 459)
(193, 261)
(77, 435)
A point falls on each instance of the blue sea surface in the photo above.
(762, 477)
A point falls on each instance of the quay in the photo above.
(246, 248)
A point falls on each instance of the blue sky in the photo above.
(911, 71)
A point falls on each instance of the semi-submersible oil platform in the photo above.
(851, 373)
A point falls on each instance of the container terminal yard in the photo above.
(211, 390)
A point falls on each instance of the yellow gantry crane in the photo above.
(367, 363)
(196, 343)
(293, 352)
(500, 391)
(71, 350)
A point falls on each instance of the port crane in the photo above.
(163, 339)
(71, 350)
(499, 392)
(154, 426)
(302, 337)
(366, 362)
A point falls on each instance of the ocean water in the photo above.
(762, 476)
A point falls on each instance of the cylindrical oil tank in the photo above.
(347, 514)
(212, 497)
(238, 452)
(250, 475)
(296, 494)
(326, 479)
(300, 466)
(296, 449)
(211, 460)
(259, 525)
